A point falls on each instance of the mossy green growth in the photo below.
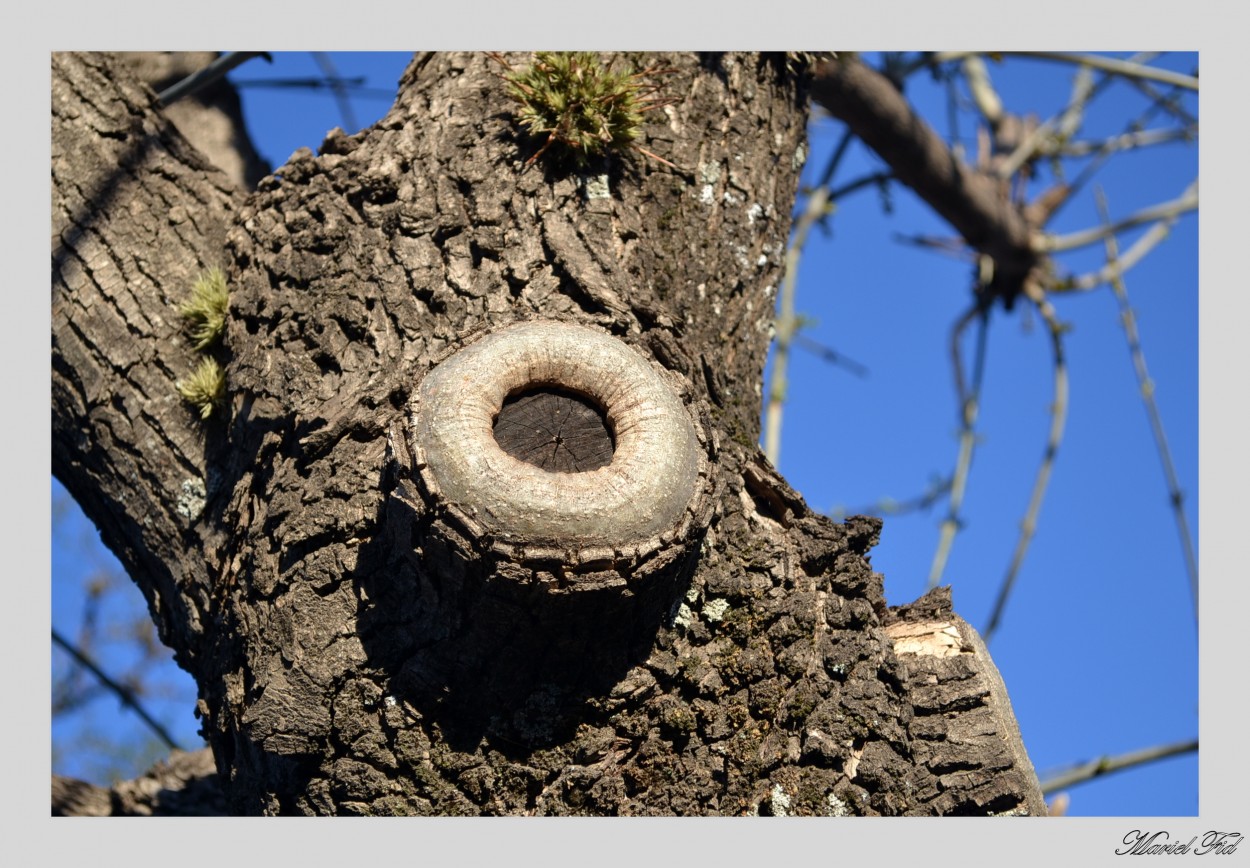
(205, 310)
(583, 107)
(205, 388)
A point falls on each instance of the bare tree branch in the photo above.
(1129, 321)
(1058, 420)
(974, 203)
(876, 178)
(338, 87)
(124, 693)
(1123, 68)
(1107, 764)
(183, 785)
(830, 355)
(1166, 102)
(969, 405)
(890, 506)
(1122, 264)
(787, 322)
(1125, 142)
(121, 262)
(1187, 201)
(1067, 121)
(206, 76)
(982, 89)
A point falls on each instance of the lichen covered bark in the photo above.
(136, 214)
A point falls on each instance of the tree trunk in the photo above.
(384, 617)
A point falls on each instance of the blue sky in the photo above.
(1102, 615)
(1098, 647)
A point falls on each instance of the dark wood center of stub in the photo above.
(555, 430)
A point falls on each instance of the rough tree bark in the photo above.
(362, 646)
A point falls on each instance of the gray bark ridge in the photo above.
(182, 785)
(137, 214)
(964, 730)
(352, 655)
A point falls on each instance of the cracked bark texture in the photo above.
(342, 667)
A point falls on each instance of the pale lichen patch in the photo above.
(709, 176)
(191, 498)
(596, 187)
(779, 801)
(714, 610)
(800, 157)
(684, 617)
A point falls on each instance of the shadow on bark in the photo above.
(485, 656)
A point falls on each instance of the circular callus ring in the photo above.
(650, 494)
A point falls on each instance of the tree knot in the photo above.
(561, 450)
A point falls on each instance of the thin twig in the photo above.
(1108, 764)
(982, 90)
(66, 700)
(339, 89)
(1147, 387)
(1187, 201)
(1122, 264)
(1125, 142)
(197, 81)
(1103, 155)
(876, 178)
(968, 406)
(1083, 93)
(953, 104)
(1124, 68)
(934, 59)
(889, 506)
(1058, 419)
(355, 86)
(830, 355)
(952, 248)
(1168, 103)
(1110, 271)
(787, 323)
(834, 161)
(125, 694)
(1062, 125)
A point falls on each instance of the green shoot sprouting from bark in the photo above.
(205, 388)
(583, 108)
(205, 310)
